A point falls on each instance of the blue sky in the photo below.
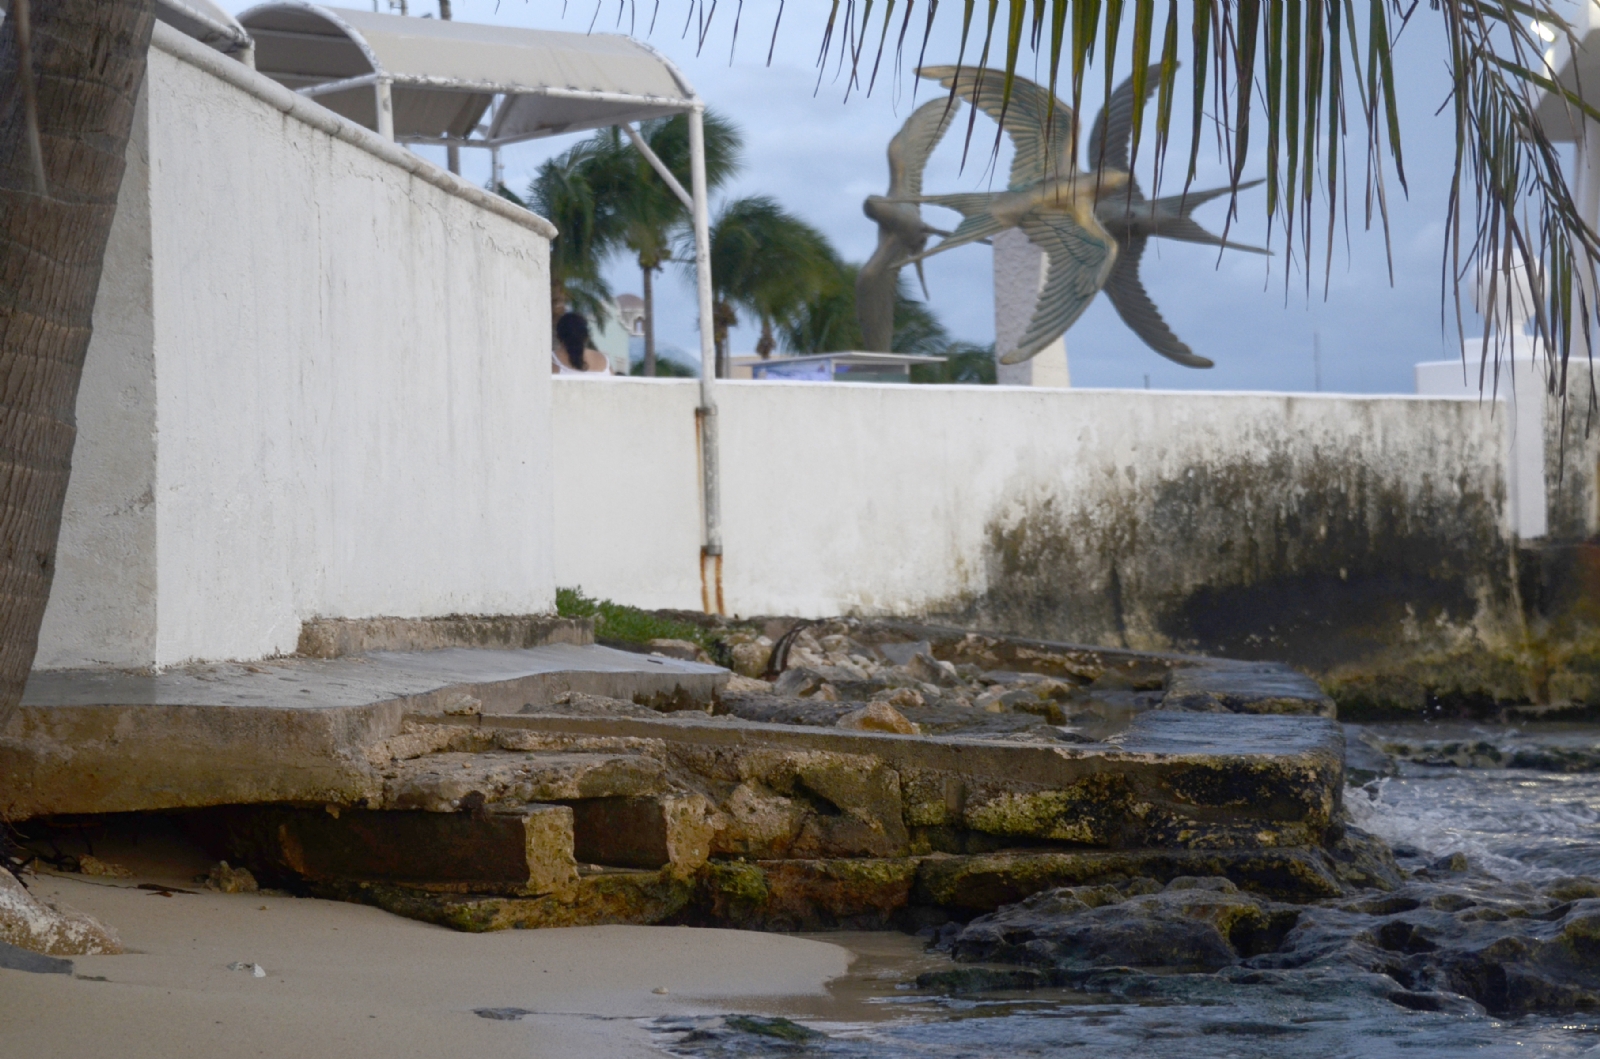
(820, 154)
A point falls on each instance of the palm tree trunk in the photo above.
(88, 62)
(649, 325)
(558, 296)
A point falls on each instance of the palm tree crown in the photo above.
(769, 263)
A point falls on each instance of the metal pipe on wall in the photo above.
(711, 485)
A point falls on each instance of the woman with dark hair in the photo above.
(576, 355)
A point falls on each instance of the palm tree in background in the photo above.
(827, 322)
(633, 201)
(561, 193)
(767, 262)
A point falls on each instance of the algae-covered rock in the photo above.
(609, 897)
(856, 892)
(1092, 811)
(984, 883)
(1192, 925)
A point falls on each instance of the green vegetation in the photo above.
(667, 368)
(767, 262)
(617, 621)
(967, 362)
(777, 1026)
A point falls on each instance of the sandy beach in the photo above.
(351, 982)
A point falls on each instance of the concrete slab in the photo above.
(293, 729)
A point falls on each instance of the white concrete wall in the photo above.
(627, 489)
(350, 392)
(879, 499)
(1518, 396)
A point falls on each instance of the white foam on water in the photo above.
(1514, 824)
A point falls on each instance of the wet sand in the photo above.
(351, 982)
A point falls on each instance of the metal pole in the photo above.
(452, 154)
(385, 109)
(660, 167)
(708, 348)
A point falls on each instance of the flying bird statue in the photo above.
(1132, 220)
(1048, 197)
(1093, 226)
(902, 233)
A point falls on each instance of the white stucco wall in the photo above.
(881, 499)
(349, 401)
(627, 489)
(1518, 395)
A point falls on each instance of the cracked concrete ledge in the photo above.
(285, 730)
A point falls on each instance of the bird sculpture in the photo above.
(1092, 225)
(902, 233)
(1132, 220)
(1047, 197)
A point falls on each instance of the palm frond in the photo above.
(1291, 65)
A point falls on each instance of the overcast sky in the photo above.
(820, 154)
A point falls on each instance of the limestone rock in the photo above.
(91, 865)
(228, 880)
(751, 657)
(579, 704)
(985, 882)
(1264, 687)
(595, 898)
(687, 650)
(29, 923)
(439, 782)
(757, 822)
(928, 670)
(857, 893)
(742, 685)
(878, 717)
(903, 698)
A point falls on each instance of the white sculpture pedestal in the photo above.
(1019, 274)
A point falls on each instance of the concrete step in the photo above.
(284, 730)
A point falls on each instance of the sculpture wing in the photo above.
(1133, 304)
(1043, 129)
(1113, 129)
(911, 146)
(1080, 260)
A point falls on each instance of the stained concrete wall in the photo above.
(321, 390)
(1323, 529)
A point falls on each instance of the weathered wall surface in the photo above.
(103, 601)
(627, 489)
(339, 402)
(1331, 531)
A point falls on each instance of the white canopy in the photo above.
(445, 75)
